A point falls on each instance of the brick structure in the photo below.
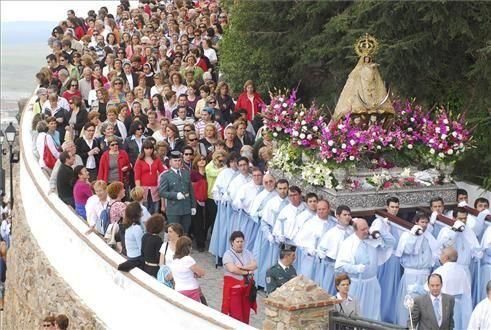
(298, 304)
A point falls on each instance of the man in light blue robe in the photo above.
(437, 207)
(389, 274)
(359, 257)
(257, 207)
(418, 252)
(243, 201)
(219, 240)
(307, 239)
(455, 282)
(244, 177)
(285, 223)
(329, 246)
(264, 246)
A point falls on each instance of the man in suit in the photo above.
(433, 311)
(283, 271)
(128, 76)
(175, 186)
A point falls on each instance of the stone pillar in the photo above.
(298, 304)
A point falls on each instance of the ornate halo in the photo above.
(366, 45)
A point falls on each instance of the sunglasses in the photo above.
(113, 144)
(118, 83)
(192, 140)
(212, 102)
(188, 154)
(139, 128)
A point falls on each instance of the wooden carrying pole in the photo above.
(475, 213)
(440, 217)
(395, 219)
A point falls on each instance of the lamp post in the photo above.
(2, 172)
(10, 133)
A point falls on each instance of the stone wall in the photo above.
(33, 288)
(300, 304)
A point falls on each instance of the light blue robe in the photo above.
(389, 276)
(265, 252)
(219, 239)
(485, 274)
(233, 190)
(417, 258)
(364, 286)
(328, 249)
(242, 202)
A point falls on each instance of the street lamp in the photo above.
(2, 172)
(10, 133)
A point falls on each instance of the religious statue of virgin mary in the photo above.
(364, 95)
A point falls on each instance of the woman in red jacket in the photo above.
(249, 100)
(148, 167)
(114, 163)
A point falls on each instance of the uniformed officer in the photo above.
(175, 187)
(283, 271)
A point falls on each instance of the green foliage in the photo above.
(438, 52)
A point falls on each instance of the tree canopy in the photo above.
(436, 52)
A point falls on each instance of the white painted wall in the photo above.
(474, 191)
(119, 301)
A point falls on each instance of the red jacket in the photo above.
(123, 160)
(148, 174)
(243, 102)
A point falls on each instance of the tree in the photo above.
(437, 52)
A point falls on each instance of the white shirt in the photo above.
(183, 275)
(246, 195)
(455, 279)
(481, 316)
(129, 77)
(310, 232)
(93, 209)
(169, 254)
(211, 54)
(285, 223)
(239, 181)
(433, 298)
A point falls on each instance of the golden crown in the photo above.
(366, 45)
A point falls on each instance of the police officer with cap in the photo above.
(283, 271)
(175, 186)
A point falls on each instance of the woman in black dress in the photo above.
(151, 243)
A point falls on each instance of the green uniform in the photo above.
(276, 276)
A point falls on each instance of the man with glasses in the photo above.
(188, 157)
(206, 118)
(175, 186)
(182, 119)
(182, 101)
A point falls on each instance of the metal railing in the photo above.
(340, 321)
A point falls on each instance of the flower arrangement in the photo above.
(414, 137)
(317, 174)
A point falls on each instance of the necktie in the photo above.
(179, 172)
(436, 307)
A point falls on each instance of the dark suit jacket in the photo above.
(83, 150)
(170, 184)
(276, 276)
(424, 315)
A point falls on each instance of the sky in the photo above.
(52, 11)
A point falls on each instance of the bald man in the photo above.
(359, 256)
(457, 284)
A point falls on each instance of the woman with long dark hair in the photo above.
(198, 179)
(81, 190)
(148, 167)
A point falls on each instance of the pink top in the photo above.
(81, 192)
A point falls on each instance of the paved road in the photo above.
(212, 285)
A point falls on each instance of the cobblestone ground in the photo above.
(212, 284)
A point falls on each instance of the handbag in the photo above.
(48, 157)
(202, 298)
(249, 280)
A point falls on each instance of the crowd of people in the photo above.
(142, 137)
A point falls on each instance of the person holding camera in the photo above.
(239, 290)
(418, 252)
(359, 256)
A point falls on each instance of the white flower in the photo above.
(301, 114)
(281, 99)
(454, 134)
(276, 106)
(379, 147)
(409, 146)
(358, 134)
(285, 105)
(276, 118)
(406, 173)
(351, 157)
(343, 146)
(352, 142)
(299, 142)
(295, 133)
(432, 151)
(431, 141)
(445, 121)
(303, 122)
(309, 137)
(444, 136)
(450, 151)
(334, 150)
(275, 134)
(330, 143)
(440, 146)
(302, 136)
(315, 128)
(411, 119)
(278, 128)
(283, 112)
(437, 129)
(410, 129)
(446, 127)
(441, 154)
(340, 126)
